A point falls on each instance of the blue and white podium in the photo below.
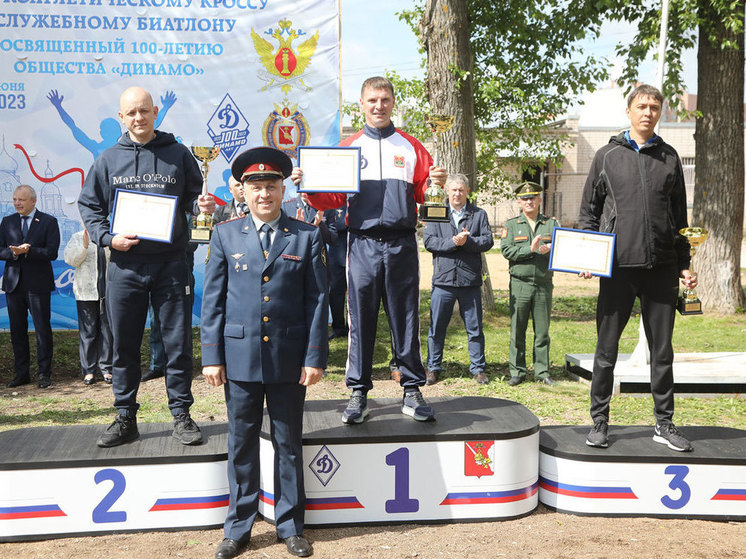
(636, 476)
(479, 460)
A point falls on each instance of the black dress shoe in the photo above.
(18, 381)
(45, 382)
(151, 374)
(515, 381)
(229, 548)
(431, 377)
(298, 546)
(548, 381)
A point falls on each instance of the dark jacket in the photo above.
(162, 166)
(640, 197)
(459, 266)
(32, 270)
(265, 319)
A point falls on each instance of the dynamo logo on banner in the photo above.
(228, 128)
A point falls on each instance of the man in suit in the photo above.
(29, 241)
(457, 248)
(233, 209)
(264, 335)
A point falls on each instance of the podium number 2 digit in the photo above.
(678, 473)
(401, 502)
(102, 513)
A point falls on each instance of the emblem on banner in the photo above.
(283, 63)
(324, 465)
(228, 128)
(285, 129)
(478, 458)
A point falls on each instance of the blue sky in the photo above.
(374, 40)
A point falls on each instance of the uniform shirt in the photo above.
(515, 245)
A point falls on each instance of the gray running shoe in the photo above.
(598, 434)
(356, 409)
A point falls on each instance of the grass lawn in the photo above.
(572, 331)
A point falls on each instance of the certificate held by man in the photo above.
(149, 216)
(575, 250)
(329, 169)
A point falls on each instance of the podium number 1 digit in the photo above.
(401, 502)
(678, 473)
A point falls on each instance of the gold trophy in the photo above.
(689, 303)
(435, 207)
(203, 224)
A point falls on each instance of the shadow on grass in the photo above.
(58, 417)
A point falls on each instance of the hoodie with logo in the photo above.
(162, 166)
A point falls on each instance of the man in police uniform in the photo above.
(264, 335)
(526, 243)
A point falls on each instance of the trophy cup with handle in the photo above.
(203, 226)
(435, 207)
(689, 303)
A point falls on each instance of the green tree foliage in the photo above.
(528, 66)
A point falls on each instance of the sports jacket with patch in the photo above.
(394, 171)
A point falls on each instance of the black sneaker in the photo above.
(598, 434)
(668, 434)
(414, 405)
(122, 430)
(356, 409)
(186, 430)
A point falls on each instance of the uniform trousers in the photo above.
(130, 287)
(95, 337)
(245, 402)
(529, 301)
(657, 289)
(338, 283)
(20, 303)
(441, 308)
(383, 268)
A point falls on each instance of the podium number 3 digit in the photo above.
(401, 502)
(678, 473)
(102, 513)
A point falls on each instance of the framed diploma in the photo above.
(329, 169)
(149, 216)
(575, 251)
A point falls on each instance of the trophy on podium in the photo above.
(689, 303)
(203, 226)
(435, 207)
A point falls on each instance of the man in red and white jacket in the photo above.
(382, 254)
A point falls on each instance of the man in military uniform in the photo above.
(264, 336)
(526, 243)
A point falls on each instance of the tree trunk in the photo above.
(719, 186)
(445, 33)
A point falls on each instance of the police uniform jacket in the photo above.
(459, 266)
(515, 245)
(265, 319)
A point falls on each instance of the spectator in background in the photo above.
(89, 286)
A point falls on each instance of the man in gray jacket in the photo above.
(457, 248)
(635, 189)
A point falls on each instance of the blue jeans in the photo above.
(441, 308)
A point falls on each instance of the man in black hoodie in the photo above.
(143, 271)
(635, 189)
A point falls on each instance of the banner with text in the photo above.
(229, 73)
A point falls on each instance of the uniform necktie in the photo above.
(266, 240)
(24, 226)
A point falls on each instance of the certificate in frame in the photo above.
(148, 215)
(575, 250)
(329, 169)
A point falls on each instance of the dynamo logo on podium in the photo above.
(228, 128)
(324, 465)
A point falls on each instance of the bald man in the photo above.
(141, 271)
